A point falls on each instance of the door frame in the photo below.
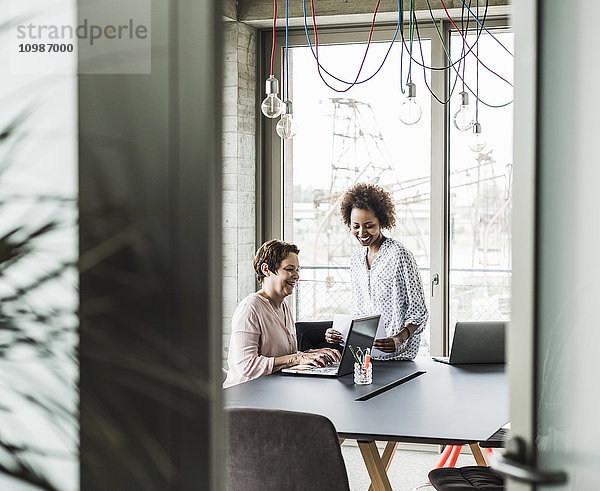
(521, 336)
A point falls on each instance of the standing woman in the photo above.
(263, 333)
(385, 277)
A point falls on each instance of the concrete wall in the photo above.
(239, 169)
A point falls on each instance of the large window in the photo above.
(480, 187)
(453, 204)
(347, 138)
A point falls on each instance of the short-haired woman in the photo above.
(384, 275)
(263, 334)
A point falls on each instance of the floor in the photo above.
(407, 472)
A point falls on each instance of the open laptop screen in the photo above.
(477, 342)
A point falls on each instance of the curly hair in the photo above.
(369, 197)
(272, 253)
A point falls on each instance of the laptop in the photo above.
(476, 342)
(360, 335)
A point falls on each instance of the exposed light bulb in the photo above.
(272, 106)
(410, 111)
(477, 143)
(287, 127)
(463, 118)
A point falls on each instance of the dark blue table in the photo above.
(443, 405)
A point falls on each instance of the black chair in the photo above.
(497, 440)
(471, 477)
(466, 478)
(266, 451)
(311, 335)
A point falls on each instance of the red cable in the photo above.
(472, 52)
(312, 7)
(273, 47)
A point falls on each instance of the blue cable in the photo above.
(410, 23)
(400, 11)
(333, 76)
(494, 37)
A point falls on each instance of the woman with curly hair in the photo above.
(385, 277)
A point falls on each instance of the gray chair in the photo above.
(276, 450)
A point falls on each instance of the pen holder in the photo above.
(363, 376)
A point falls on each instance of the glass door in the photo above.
(554, 337)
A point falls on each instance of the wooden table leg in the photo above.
(375, 467)
(478, 454)
(387, 457)
(342, 440)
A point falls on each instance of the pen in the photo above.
(367, 358)
(354, 354)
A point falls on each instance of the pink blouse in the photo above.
(259, 333)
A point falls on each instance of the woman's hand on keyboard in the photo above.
(320, 357)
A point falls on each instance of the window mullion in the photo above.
(439, 201)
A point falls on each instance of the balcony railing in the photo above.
(475, 294)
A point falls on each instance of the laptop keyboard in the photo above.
(328, 369)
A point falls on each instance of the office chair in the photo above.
(266, 451)
(470, 477)
(466, 478)
(311, 335)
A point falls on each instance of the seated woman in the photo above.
(263, 335)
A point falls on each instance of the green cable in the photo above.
(401, 42)
(439, 34)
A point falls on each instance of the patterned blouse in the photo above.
(392, 288)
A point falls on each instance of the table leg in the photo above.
(478, 454)
(342, 440)
(388, 455)
(454, 455)
(444, 457)
(375, 467)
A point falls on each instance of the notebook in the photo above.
(361, 334)
(476, 342)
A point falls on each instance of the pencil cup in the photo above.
(363, 376)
